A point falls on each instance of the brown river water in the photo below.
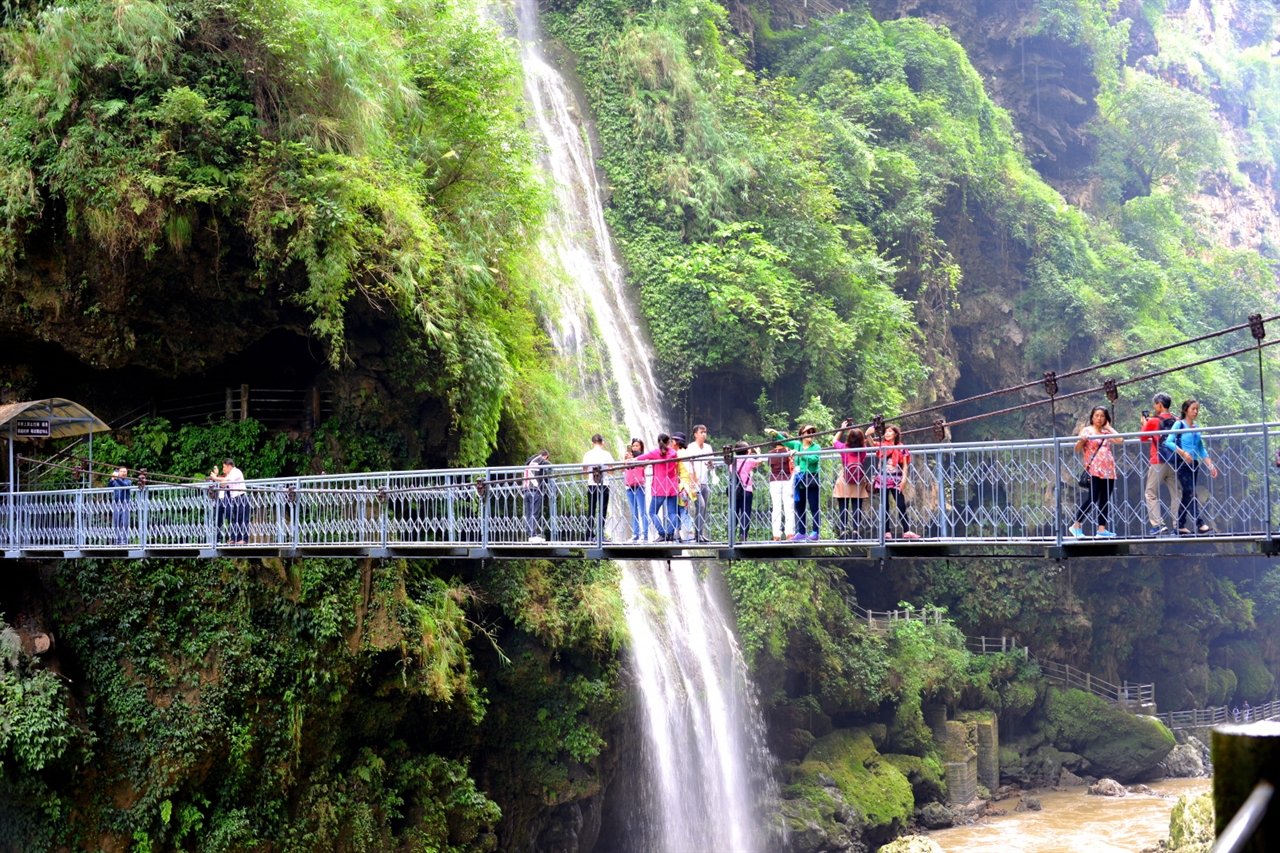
(1073, 821)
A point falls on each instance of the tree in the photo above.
(1155, 134)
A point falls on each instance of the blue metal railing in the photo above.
(989, 492)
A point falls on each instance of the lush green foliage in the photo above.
(317, 704)
(363, 149)
(725, 212)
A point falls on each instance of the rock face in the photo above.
(1116, 744)
(845, 796)
(1183, 762)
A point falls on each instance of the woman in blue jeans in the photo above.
(635, 493)
(1186, 442)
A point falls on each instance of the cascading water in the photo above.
(707, 769)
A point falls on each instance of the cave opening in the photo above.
(282, 368)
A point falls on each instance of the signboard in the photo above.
(30, 429)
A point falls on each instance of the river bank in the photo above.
(1073, 820)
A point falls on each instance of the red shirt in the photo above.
(1153, 425)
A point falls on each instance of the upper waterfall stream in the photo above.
(705, 765)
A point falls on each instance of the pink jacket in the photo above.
(744, 465)
(666, 480)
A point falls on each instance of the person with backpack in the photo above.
(533, 488)
(894, 461)
(852, 484)
(1184, 439)
(745, 460)
(595, 463)
(1159, 424)
(1100, 469)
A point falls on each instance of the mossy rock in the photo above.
(1191, 825)
(876, 793)
(912, 844)
(928, 782)
(1117, 744)
(1253, 680)
(1222, 686)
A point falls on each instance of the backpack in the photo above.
(1164, 452)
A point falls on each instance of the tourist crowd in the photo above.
(669, 487)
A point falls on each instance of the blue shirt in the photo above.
(1188, 439)
(121, 486)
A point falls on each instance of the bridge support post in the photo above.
(295, 514)
(943, 522)
(143, 520)
(280, 511)
(386, 509)
(484, 513)
(1057, 491)
(79, 520)
(735, 482)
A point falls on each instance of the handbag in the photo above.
(1084, 479)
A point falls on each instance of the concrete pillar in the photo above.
(988, 753)
(1243, 756)
(962, 781)
(935, 716)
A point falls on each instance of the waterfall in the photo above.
(705, 763)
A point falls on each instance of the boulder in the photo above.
(1070, 780)
(935, 816)
(1028, 804)
(912, 844)
(1116, 744)
(845, 796)
(1191, 825)
(1108, 788)
(1183, 762)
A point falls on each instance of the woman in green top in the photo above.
(805, 482)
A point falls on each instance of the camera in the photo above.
(1145, 414)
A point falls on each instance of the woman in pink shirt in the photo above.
(635, 493)
(1100, 465)
(665, 485)
(745, 461)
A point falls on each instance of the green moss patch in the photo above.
(847, 761)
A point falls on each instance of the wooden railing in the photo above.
(1222, 714)
(882, 620)
(1125, 695)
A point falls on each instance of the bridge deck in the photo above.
(964, 500)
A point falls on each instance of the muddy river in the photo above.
(1073, 821)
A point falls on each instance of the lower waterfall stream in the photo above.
(706, 770)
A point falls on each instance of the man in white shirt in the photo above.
(233, 502)
(700, 461)
(594, 463)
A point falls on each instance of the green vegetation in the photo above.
(318, 704)
(321, 153)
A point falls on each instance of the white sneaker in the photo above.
(536, 539)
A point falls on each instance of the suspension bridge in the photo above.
(1014, 499)
(977, 499)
